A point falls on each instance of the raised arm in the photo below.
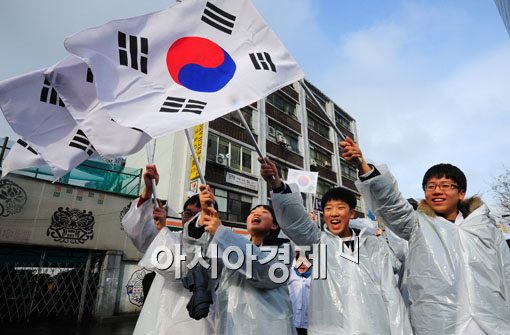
(380, 193)
(151, 172)
(287, 203)
(142, 222)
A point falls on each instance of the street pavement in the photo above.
(114, 326)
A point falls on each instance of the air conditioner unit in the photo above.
(222, 159)
(281, 140)
(313, 162)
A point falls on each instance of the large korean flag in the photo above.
(35, 112)
(185, 65)
(74, 82)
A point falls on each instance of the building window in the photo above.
(283, 170)
(233, 207)
(283, 136)
(227, 153)
(318, 126)
(358, 204)
(342, 121)
(320, 98)
(319, 157)
(322, 188)
(283, 103)
(234, 116)
(349, 172)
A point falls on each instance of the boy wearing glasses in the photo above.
(458, 264)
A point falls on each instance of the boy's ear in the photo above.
(462, 195)
(274, 226)
(352, 214)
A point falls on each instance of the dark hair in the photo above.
(413, 203)
(195, 200)
(339, 193)
(446, 171)
(275, 232)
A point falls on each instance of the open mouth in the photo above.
(256, 220)
(438, 200)
(335, 223)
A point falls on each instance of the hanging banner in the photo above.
(197, 144)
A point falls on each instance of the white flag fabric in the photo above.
(37, 114)
(74, 82)
(21, 156)
(306, 181)
(185, 65)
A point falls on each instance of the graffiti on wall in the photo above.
(73, 226)
(12, 198)
(123, 213)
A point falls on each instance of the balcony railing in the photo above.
(320, 140)
(232, 130)
(284, 153)
(285, 119)
(325, 172)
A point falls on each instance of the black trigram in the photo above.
(175, 105)
(26, 146)
(262, 61)
(49, 95)
(90, 76)
(81, 141)
(137, 129)
(129, 49)
(218, 18)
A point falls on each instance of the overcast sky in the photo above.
(427, 81)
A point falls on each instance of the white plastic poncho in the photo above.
(246, 306)
(458, 276)
(367, 224)
(299, 290)
(355, 298)
(400, 249)
(164, 310)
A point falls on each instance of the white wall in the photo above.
(36, 222)
(173, 160)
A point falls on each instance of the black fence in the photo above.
(42, 283)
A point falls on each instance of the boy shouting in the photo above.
(355, 298)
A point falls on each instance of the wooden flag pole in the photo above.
(255, 144)
(150, 160)
(195, 157)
